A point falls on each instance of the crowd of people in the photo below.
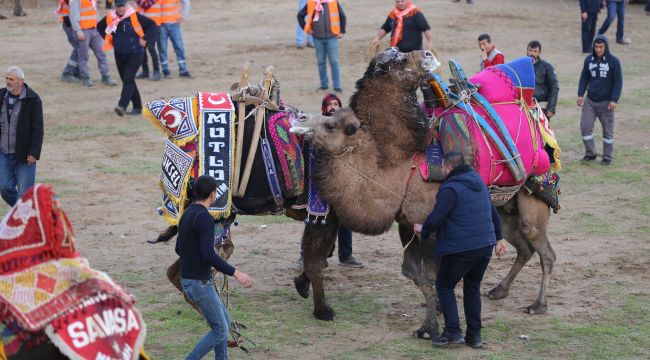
(132, 32)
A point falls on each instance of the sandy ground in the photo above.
(106, 167)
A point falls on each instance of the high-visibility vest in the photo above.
(335, 19)
(88, 18)
(63, 9)
(171, 11)
(108, 40)
(154, 12)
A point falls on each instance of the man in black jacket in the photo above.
(21, 135)
(467, 227)
(602, 79)
(128, 32)
(546, 85)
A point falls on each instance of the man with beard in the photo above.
(546, 84)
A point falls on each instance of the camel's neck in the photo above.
(365, 197)
(393, 116)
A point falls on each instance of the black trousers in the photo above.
(469, 266)
(127, 66)
(155, 60)
(589, 31)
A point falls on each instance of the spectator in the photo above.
(71, 70)
(301, 37)
(546, 84)
(489, 54)
(616, 8)
(602, 79)
(407, 23)
(135, 31)
(21, 135)
(468, 1)
(83, 19)
(170, 28)
(467, 227)
(589, 10)
(325, 21)
(195, 247)
(153, 10)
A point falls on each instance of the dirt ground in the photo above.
(106, 170)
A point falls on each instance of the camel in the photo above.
(366, 172)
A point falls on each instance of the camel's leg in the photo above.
(511, 231)
(174, 276)
(317, 240)
(419, 265)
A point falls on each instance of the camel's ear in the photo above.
(350, 130)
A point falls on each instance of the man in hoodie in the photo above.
(602, 79)
(466, 227)
(325, 21)
(589, 10)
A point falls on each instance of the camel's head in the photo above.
(406, 68)
(333, 135)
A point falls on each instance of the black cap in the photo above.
(120, 2)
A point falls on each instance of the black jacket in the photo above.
(546, 85)
(29, 134)
(590, 6)
(601, 78)
(125, 40)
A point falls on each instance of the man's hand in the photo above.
(501, 248)
(611, 105)
(81, 36)
(580, 101)
(584, 16)
(310, 32)
(417, 228)
(549, 114)
(339, 36)
(483, 54)
(243, 279)
(142, 42)
(31, 160)
(180, 20)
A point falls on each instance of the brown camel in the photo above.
(366, 173)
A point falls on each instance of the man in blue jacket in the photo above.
(589, 10)
(602, 79)
(467, 227)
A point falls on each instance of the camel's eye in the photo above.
(350, 130)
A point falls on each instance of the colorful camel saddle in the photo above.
(494, 120)
(48, 293)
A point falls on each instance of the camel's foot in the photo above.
(326, 314)
(302, 285)
(497, 293)
(426, 332)
(537, 308)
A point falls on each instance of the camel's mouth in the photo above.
(429, 62)
(300, 125)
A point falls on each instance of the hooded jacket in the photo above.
(463, 218)
(601, 78)
(29, 133)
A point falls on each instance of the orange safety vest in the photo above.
(154, 12)
(88, 18)
(335, 19)
(63, 9)
(171, 11)
(108, 40)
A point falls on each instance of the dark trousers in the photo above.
(469, 266)
(647, 6)
(589, 31)
(345, 243)
(155, 62)
(127, 66)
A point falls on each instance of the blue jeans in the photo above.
(328, 49)
(469, 266)
(345, 243)
(615, 9)
(173, 33)
(15, 178)
(205, 296)
(300, 33)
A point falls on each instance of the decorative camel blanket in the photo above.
(200, 140)
(46, 287)
(500, 126)
(288, 149)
